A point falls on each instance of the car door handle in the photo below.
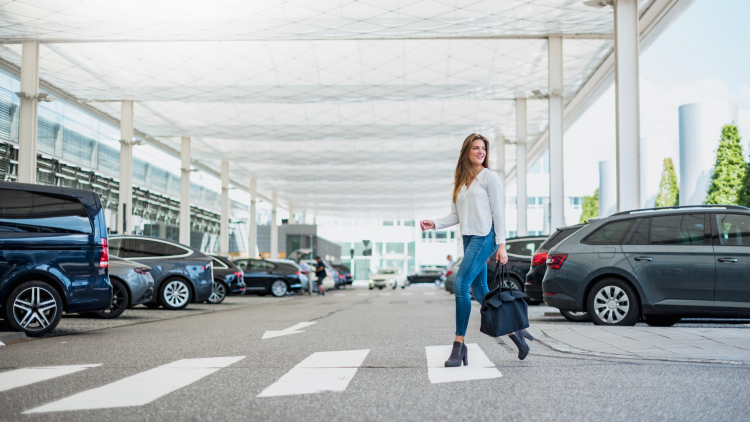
(643, 258)
(728, 260)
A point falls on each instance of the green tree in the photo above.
(730, 169)
(590, 207)
(669, 191)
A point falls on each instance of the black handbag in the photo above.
(504, 310)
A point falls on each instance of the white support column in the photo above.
(556, 193)
(185, 191)
(224, 222)
(126, 168)
(627, 100)
(304, 215)
(274, 227)
(28, 118)
(521, 169)
(291, 214)
(500, 166)
(253, 230)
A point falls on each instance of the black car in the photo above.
(427, 275)
(54, 255)
(265, 277)
(533, 284)
(520, 252)
(658, 264)
(181, 274)
(228, 279)
(345, 271)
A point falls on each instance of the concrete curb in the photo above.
(561, 347)
(10, 336)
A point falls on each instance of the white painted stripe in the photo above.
(479, 367)
(339, 294)
(26, 376)
(142, 388)
(321, 371)
(429, 293)
(363, 294)
(407, 294)
(287, 331)
(385, 294)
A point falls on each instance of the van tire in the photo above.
(43, 297)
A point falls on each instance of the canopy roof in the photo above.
(346, 107)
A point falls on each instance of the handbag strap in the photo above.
(496, 281)
(502, 276)
(505, 277)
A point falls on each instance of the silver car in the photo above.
(132, 284)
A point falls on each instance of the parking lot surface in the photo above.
(351, 355)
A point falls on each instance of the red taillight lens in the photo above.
(548, 294)
(143, 270)
(555, 261)
(207, 266)
(538, 259)
(448, 273)
(238, 274)
(104, 254)
(296, 272)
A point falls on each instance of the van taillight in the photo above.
(104, 254)
(554, 262)
(538, 259)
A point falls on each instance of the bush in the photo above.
(590, 207)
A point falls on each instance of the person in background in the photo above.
(450, 261)
(320, 274)
(308, 272)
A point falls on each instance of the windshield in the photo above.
(386, 271)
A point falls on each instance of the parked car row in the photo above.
(56, 257)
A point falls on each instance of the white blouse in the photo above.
(477, 207)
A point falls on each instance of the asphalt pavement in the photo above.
(362, 355)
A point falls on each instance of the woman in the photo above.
(477, 209)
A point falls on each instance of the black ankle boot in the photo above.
(523, 348)
(458, 354)
(527, 335)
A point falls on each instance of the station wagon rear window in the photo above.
(32, 212)
(609, 234)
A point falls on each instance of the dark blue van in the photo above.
(54, 255)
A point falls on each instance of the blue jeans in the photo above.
(472, 274)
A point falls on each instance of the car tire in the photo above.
(174, 294)
(662, 320)
(219, 292)
(34, 308)
(120, 301)
(380, 288)
(279, 288)
(613, 302)
(371, 288)
(576, 316)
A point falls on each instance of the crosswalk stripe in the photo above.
(385, 294)
(479, 366)
(25, 376)
(142, 388)
(407, 294)
(321, 371)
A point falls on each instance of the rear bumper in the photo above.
(563, 302)
(533, 291)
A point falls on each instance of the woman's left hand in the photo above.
(502, 255)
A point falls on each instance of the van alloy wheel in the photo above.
(611, 304)
(176, 294)
(35, 309)
(278, 288)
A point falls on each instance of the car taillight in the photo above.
(144, 270)
(104, 254)
(296, 272)
(539, 258)
(555, 261)
(207, 266)
(238, 274)
(448, 273)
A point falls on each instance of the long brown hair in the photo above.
(464, 172)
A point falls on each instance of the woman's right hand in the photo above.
(427, 225)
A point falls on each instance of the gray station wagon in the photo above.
(659, 264)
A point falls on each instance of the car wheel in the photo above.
(662, 320)
(120, 301)
(174, 294)
(576, 316)
(218, 292)
(279, 288)
(613, 302)
(34, 308)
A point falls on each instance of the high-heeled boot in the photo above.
(523, 348)
(458, 354)
(527, 335)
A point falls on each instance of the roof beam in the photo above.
(653, 21)
(577, 36)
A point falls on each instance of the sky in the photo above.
(704, 55)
